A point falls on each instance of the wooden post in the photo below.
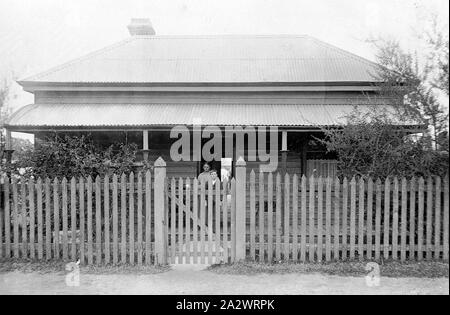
(8, 146)
(304, 157)
(240, 208)
(159, 203)
(145, 149)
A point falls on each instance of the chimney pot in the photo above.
(140, 27)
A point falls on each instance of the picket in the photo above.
(336, 210)
(48, 225)
(81, 192)
(107, 236)
(123, 219)
(261, 216)
(344, 218)
(7, 209)
(131, 236)
(73, 219)
(412, 220)
(217, 222)
(446, 219)
(195, 223)
(312, 204)
(429, 218)
(233, 219)
(65, 221)
(139, 220)
(395, 219)
(352, 218)
(403, 219)
(23, 199)
(188, 221)
(278, 219)
(56, 225)
(378, 220)
(202, 221)
(115, 215)
(98, 221)
(420, 220)
(90, 258)
(270, 218)
(319, 219)
(437, 220)
(180, 224)
(369, 219)
(225, 212)
(295, 218)
(361, 222)
(15, 217)
(328, 220)
(286, 225)
(148, 216)
(32, 217)
(386, 224)
(252, 215)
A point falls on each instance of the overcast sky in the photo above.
(38, 34)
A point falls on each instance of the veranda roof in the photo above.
(110, 116)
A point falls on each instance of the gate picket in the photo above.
(278, 220)
(224, 221)
(261, 216)
(286, 229)
(195, 197)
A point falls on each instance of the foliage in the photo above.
(378, 143)
(74, 156)
(371, 144)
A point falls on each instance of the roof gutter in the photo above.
(33, 86)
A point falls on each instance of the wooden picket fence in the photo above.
(151, 219)
(323, 219)
(106, 220)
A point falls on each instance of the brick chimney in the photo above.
(141, 27)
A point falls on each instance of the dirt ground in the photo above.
(186, 279)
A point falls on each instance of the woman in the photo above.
(205, 176)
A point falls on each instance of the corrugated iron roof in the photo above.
(214, 59)
(133, 115)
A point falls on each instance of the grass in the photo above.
(392, 269)
(28, 266)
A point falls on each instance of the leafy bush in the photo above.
(373, 144)
(74, 156)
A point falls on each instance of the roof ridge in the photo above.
(81, 58)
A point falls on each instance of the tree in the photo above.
(375, 143)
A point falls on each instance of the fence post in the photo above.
(159, 206)
(240, 208)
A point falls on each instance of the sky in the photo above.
(38, 34)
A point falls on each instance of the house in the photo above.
(139, 89)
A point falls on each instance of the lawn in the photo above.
(391, 269)
(60, 267)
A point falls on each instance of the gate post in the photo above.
(159, 206)
(241, 191)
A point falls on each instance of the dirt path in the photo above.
(183, 280)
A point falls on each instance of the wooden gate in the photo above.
(201, 220)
